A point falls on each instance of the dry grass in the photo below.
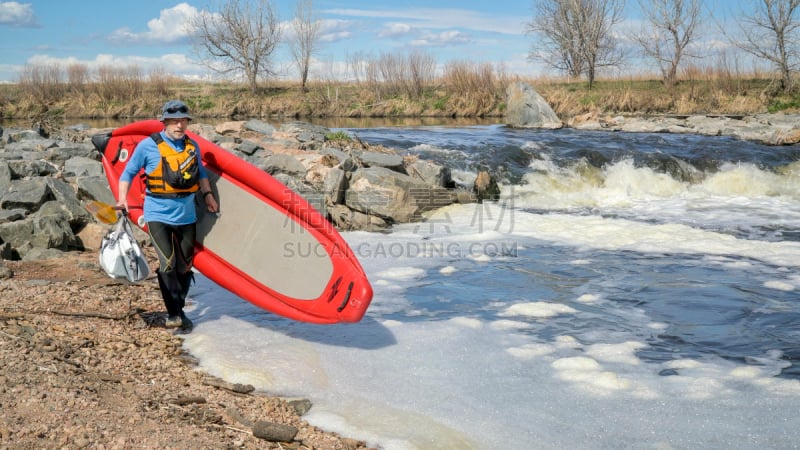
(465, 89)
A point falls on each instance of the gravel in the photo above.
(85, 362)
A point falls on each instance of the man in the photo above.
(172, 163)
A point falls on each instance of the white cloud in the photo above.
(396, 29)
(173, 25)
(335, 37)
(438, 18)
(334, 30)
(188, 68)
(444, 38)
(330, 30)
(18, 15)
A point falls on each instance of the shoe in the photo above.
(173, 322)
(186, 323)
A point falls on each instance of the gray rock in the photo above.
(32, 145)
(66, 198)
(311, 195)
(25, 194)
(11, 215)
(248, 147)
(525, 108)
(26, 168)
(95, 188)
(282, 163)
(18, 135)
(16, 233)
(772, 129)
(394, 196)
(260, 127)
(346, 162)
(389, 161)
(5, 177)
(305, 133)
(223, 140)
(301, 406)
(59, 155)
(758, 133)
(334, 186)
(709, 126)
(274, 432)
(52, 230)
(83, 167)
(8, 155)
(345, 218)
(431, 173)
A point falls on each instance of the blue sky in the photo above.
(152, 34)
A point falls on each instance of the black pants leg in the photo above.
(174, 245)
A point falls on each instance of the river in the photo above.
(626, 291)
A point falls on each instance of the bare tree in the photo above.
(240, 38)
(421, 67)
(770, 32)
(559, 45)
(307, 29)
(672, 29)
(576, 35)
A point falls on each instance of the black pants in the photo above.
(174, 245)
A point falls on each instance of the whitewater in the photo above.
(625, 291)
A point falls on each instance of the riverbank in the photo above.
(87, 363)
(476, 95)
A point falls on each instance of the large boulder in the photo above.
(26, 194)
(394, 196)
(525, 108)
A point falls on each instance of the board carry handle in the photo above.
(346, 298)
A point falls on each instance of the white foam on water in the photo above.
(588, 299)
(449, 270)
(779, 285)
(451, 384)
(537, 309)
(594, 232)
(401, 381)
(736, 195)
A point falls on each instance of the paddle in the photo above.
(103, 212)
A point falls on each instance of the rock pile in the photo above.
(45, 182)
(768, 129)
(356, 185)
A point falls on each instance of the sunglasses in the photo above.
(179, 109)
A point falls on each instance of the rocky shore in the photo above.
(527, 109)
(87, 363)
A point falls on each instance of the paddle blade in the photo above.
(103, 212)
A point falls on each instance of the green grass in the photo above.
(783, 105)
(338, 136)
(440, 104)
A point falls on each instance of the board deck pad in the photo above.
(267, 244)
(243, 243)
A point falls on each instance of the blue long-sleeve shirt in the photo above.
(172, 211)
